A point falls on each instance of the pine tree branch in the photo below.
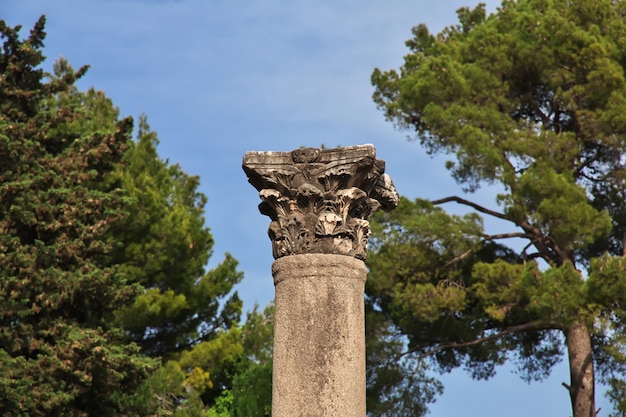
(546, 246)
(473, 205)
(508, 236)
(587, 163)
(459, 258)
(498, 236)
(485, 238)
(535, 256)
(533, 325)
(545, 120)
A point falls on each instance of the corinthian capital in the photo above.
(320, 200)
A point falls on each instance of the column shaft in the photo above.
(319, 339)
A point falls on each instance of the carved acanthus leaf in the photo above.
(320, 200)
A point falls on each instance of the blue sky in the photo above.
(217, 78)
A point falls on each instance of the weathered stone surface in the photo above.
(319, 336)
(320, 200)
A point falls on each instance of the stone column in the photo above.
(319, 202)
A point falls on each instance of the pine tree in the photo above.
(531, 98)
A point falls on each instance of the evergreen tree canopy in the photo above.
(163, 243)
(165, 247)
(103, 251)
(59, 353)
(531, 98)
(183, 314)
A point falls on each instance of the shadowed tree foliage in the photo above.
(59, 352)
(532, 99)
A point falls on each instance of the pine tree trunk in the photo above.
(582, 385)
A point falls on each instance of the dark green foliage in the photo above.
(59, 354)
(531, 98)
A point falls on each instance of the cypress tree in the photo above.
(59, 353)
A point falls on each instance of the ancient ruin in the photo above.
(319, 202)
